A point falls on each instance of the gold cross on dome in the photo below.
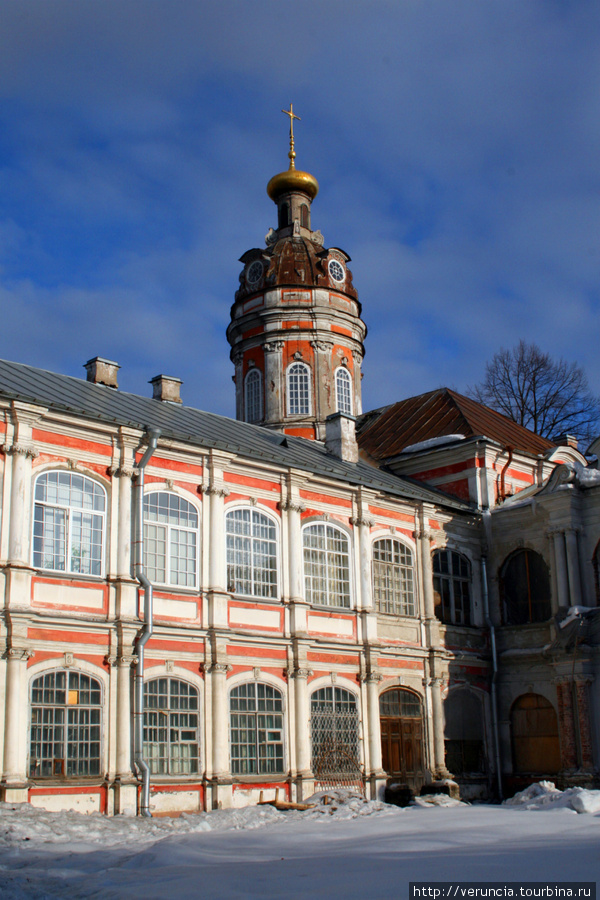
(290, 112)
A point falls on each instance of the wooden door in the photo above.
(402, 747)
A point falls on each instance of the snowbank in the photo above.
(546, 796)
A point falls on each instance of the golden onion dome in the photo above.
(292, 180)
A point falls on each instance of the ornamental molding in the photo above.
(273, 346)
(291, 506)
(362, 520)
(19, 653)
(220, 668)
(122, 662)
(300, 673)
(323, 346)
(372, 678)
(16, 449)
(218, 490)
(123, 471)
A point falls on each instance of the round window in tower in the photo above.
(254, 273)
(336, 270)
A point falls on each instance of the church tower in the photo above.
(296, 334)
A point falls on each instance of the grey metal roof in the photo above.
(183, 423)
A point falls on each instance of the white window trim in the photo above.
(351, 592)
(168, 526)
(269, 515)
(259, 417)
(347, 377)
(47, 505)
(400, 539)
(308, 371)
(270, 681)
(180, 675)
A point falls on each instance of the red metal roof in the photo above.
(383, 433)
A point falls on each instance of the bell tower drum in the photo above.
(296, 334)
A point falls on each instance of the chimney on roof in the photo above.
(566, 440)
(340, 436)
(102, 371)
(166, 388)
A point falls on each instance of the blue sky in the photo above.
(456, 145)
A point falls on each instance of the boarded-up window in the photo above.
(525, 588)
(463, 733)
(304, 215)
(534, 736)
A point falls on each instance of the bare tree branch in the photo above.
(548, 396)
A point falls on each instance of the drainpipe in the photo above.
(145, 631)
(503, 472)
(494, 697)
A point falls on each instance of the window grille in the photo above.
(251, 553)
(170, 539)
(66, 721)
(171, 727)
(68, 523)
(253, 398)
(452, 587)
(393, 583)
(298, 385)
(256, 719)
(326, 565)
(334, 733)
(343, 391)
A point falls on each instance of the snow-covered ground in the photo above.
(346, 848)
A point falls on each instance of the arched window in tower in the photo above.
(304, 215)
(284, 215)
(298, 389)
(253, 396)
(343, 391)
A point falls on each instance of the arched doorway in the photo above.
(401, 721)
(534, 736)
(463, 733)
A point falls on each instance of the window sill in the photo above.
(69, 576)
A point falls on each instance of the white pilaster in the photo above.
(573, 569)
(220, 725)
(560, 558)
(15, 718)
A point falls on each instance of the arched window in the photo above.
(452, 587)
(253, 396)
(334, 733)
(251, 553)
(463, 732)
(284, 215)
(393, 581)
(170, 539)
(298, 389)
(326, 565)
(256, 718)
(66, 725)
(343, 390)
(534, 736)
(304, 215)
(171, 723)
(525, 588)
(68, 523)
